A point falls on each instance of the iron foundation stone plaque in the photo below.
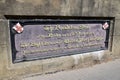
(40, 39)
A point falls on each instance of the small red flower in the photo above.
(18, 28)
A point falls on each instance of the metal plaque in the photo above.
(39, 39)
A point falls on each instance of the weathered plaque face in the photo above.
(39, 39)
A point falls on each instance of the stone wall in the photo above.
(90, 8)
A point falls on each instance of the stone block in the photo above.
(78, 60)
(57, 64)
(4, 31)
(96, 8)
(91, 58)
(3, 60)
(117, 28)
(71, 8)
(87, 59)
(115, 10)
(39, 7)
(115, 46)
(61, 7)
(24, 69)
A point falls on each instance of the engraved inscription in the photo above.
(39, 41)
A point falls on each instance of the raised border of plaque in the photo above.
(34, 39)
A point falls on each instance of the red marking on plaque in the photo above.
(105, 25)
(18, 28)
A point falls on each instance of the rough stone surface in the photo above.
(115, 10)
(117, 28)
(3, 32)
(98, 8)
(57, 64)
(60, 7)
(115, 47)
(2, 59)
(104, 71)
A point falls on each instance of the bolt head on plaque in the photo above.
(105, 25)
(18, 28)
